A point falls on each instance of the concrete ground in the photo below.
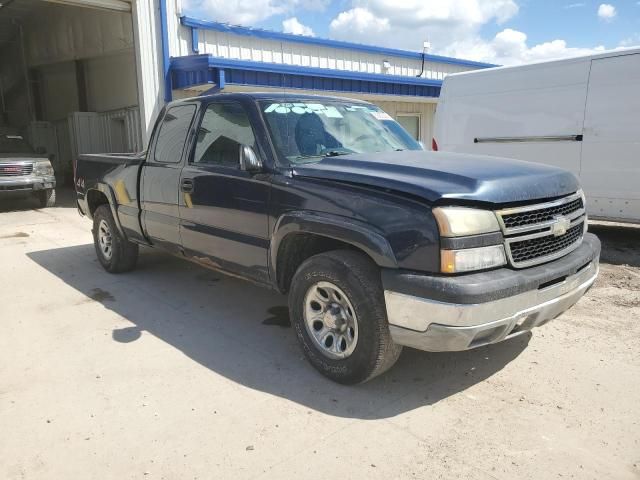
(173, 371)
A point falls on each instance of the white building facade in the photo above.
(84, 76)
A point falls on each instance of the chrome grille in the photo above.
(15, 169)
(542, 215)
(540, 247)
(542, 232)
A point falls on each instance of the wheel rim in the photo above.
(105, 240)
(330, 320)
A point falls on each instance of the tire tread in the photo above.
(356, 267)
(125, 253)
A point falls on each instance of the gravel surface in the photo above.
(173, 371)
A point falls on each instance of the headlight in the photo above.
(468, 259)
(44, 167)
(463, 221)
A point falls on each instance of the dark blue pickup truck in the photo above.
(378, 243)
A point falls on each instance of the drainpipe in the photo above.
(25, 70)
(166, 60)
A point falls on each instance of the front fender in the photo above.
(356, 233)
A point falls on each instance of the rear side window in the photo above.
(173, 133)
(224, 127)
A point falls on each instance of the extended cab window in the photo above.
(173, 133)
(225, 126)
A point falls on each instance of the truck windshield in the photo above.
(308, 131)
(13, 144)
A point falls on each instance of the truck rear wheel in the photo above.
(114, 251)
(338, 311)
(47, 198)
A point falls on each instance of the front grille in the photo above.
(15, 169)
(543, 215)
(542, 247)
(542, 232)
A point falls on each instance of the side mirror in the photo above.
(249, 161)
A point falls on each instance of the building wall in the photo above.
(58, 90)
(72, 33)
(148, 48)
(426, 112)
(245, 47)
(111, 82)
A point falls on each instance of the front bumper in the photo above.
(459, 313)
(26, 184)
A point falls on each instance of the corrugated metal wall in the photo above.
(242, 47)
(148, 49)
(71, 33)
(125, 139)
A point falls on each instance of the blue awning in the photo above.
(218, 72)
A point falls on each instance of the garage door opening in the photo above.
(68, 78)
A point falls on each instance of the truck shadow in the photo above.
(240, 331)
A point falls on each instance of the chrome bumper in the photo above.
(27, 183)
(437, 327)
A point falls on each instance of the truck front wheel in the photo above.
(114, 251)
(338, 311)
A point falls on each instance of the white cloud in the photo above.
(292, 25)
(452, 26)
(243, 12)
(407, 23)
(607, 12)
(509, 47)
(238, 12)
(359, 22)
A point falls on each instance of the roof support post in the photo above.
(166, 61)
(195, 48)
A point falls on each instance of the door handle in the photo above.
(187, 185)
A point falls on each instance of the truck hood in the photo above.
(438, 176)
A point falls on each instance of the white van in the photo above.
(582, 114)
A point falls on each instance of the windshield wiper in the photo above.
(336, 153)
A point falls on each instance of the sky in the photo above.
(505, 32)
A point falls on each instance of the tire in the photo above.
(355, 276)
(47, 198)
(122, 255)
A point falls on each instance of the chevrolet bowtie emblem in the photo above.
(560, 225)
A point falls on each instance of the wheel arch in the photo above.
(300, 235)
(102, 194)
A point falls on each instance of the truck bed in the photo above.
(116, 176)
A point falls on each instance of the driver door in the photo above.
(223, 209)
